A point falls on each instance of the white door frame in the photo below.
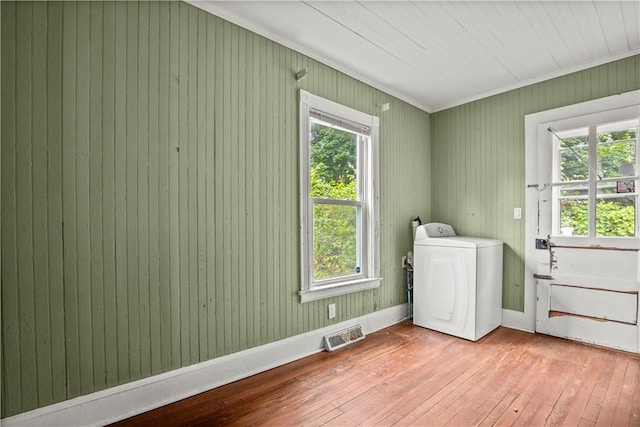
(527, 321)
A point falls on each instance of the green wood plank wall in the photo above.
(477, 168)
(150, 193)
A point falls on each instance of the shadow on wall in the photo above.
(512, 295)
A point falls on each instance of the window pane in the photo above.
(615, 215)
(574, 210)
(333, 163)
(617, 150)
(574, 217)
(335, 241)
(574, 160)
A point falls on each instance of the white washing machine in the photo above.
(457, 282)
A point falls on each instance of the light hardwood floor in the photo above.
(407, 375)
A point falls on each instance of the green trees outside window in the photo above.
(615, 158)
(334, 178)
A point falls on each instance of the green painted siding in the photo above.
(477, 167)
(150, 193)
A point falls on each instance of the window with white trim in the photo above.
(595, 175)
(340, 247)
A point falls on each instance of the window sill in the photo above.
(341, 289)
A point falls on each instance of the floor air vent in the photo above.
(343, 338)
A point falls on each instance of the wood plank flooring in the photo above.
(407, 375)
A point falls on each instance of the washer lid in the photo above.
(459, 242)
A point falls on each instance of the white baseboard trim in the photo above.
(124, 401)
(516, 320)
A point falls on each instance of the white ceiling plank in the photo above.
(514, 27)
(299, 27)
(611, 19)
(590, 29)
(440, 23)
(483, 26)
(561, 16)
(406, 20)
(527, 52)
(511, 49)
(569, 21)
(369, 26)
(564, 53)
(439, 54)
(538, 40)
(631, 18)
(540, 35)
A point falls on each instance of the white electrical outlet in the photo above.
(332, 311)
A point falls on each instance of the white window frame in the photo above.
(590, 122)
(368, 168)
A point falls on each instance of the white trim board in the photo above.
(516, 320)
(124, 401)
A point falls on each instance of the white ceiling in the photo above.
(439, 54)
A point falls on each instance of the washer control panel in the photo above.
(437, 229)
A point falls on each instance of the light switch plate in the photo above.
(517, 213)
